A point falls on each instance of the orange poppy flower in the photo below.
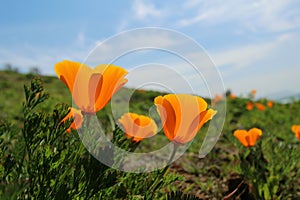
(182, 116)
(249, 105)
(91, 88)
(260, 106)
(296, 130)
(217, 99)
(141, 91)
(78, 119)
(232, 96)
(248, 138)
(253, 92)
(137, 126)
(270, 104)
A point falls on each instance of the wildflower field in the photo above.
(42, 155)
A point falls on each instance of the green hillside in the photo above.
(229, 167)
(12, 94)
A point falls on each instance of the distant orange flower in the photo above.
(253, 93)
(260, 106)
(248, 138)
(141, 91)
(270, 104)
(249, 105)
(232, 96)
(137, 126)
(182, 116)
(296, 130)
(91, 88)
(77, 119)
(217, 99)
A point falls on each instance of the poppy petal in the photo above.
(95, 85)
(91, 89)
(254, 134)
(190, 108)
(125, 120)
(241, 136)
(67, 72)
(113, 80)
(295, 128)
(78, 119)
(80, 92)
(167, 114)
(181, 115)
(205, 116)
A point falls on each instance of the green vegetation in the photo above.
(40, 160)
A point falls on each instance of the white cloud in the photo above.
(25, 57)
(266, 84)
(192, 3)
(145, 13)
(130, 41)
(143, 10)
(255, 15)
(172, 51)
(158, 76)
(269, 67)
(81, 39)
(245, 56)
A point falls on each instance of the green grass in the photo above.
(12, 94)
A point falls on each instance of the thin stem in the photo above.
(227, 197)
(161, 175)
(175, 147)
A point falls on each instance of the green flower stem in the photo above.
(155, 184)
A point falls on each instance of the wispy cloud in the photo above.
(247, 55)
(269, 67)
(130, 41)
(144, 13)
(26, 56)
(81, 39)
(268, 83)
(255, 15)
(144, 9)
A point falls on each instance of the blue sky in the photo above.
(254, 44)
